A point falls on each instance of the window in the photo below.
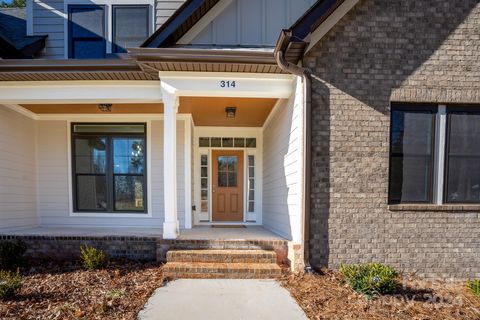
(462, 178)
(108, 162)
(206, 142)
(251, 183)
(204, 182)
(86, 29)
(130, 26)
(411, 154)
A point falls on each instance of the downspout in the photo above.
(294, 69)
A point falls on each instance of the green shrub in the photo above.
(10, 284)
(11, 254)
(370, 279)
(92, 258)
(474, 287)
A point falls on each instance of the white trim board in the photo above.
(329, 23)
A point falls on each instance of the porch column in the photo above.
(170, 105)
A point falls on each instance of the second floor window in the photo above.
(93, 33)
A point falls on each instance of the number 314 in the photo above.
(227, 84)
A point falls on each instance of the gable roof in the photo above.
(14, 42)
(179, 23)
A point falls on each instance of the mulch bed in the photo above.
(324, 297)
(67, 291)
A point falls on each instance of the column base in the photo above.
(171, 230)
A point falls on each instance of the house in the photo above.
(330, 132)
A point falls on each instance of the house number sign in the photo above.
(227, 84)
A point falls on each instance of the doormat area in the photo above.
(226, 226)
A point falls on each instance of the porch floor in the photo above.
(196, 233)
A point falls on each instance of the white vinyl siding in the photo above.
(53, 179)
(18, 196)
(252, 22)
(48, 19)
(282, 156)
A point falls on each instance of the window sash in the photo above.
(109, 172)
(74, 39)
(116, 47)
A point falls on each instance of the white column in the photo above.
(170, 105)
(188, 173)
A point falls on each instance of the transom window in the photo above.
(108, 162)
(434, 154)
(216, 142)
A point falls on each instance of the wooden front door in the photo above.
(227, 185)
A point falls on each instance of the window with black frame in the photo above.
(86, 29)
(462, 156)
(109, 167)
(130, 26)
(411, 154)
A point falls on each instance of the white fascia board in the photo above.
(204, 22)
(55, 92)
(330, 22)
(227, 84)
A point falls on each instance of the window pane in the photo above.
(239, 142)
(222, 179)
(128, 155)
(215, 142)
(88, 49)
(204, 195)
(91, 193)
(204, 160)
(204, 183)
(463, 172)
(251, 172)
(410, 179)
(251, 142)
(232, 179)
(411, 155)
(90, 155)
(129, 193)
(204, 142)
(251, 161)
(251, 184)
(227, 142)
(222, 163)
(251, 206)
(109, 128)
(204, 205)
(130, 27)
(232, 164)
(204, 172)
(86, 21)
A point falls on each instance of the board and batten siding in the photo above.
(252, 22)
(53, 179)
(282, 172)
(18, 175)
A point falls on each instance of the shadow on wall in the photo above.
(378, 47)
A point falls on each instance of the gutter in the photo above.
(279, 53)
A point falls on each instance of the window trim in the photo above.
(419, 107)
(451, 109)
(114, 6)
(69, 28)
(109, 172)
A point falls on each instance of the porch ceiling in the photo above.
(206, 111)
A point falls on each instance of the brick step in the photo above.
(222, 256)
(202, 270)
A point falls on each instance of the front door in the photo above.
(227, 185)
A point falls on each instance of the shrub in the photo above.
(11, 254)
(474, 287)
(370, 279)
(10, 284)
(92, 258)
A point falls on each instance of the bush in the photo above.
(474, 287)
(11, 254)
(370, 279)
(10, 284)
(92, 258)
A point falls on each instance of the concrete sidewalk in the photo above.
(221, 299)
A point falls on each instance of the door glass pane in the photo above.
(222, 163)
(223, 179)
(232, 179)
(91, 193)
(129, 193)
(232, 164)
(90, 155)
(128, 155)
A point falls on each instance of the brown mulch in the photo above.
(66, 291)
(324, 297)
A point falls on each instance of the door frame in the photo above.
(249, 218)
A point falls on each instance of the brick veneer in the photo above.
(384, 51)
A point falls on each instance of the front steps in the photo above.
(226, 264)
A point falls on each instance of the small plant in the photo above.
(474, 287)
(10, 284)
(11, 254)
(92, 258)
(370, 279)
(115, 294)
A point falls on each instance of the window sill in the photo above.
(434, 207)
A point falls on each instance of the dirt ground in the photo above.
(325, 297)
(67, 291)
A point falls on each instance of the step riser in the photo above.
(221, 258)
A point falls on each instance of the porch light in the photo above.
(105, 107)
(230, 111)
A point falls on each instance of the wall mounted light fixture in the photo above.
(230, 111)
(105, 107)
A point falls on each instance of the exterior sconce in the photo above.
(230, 111)
(105, 107)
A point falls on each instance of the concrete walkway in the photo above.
(221, 299)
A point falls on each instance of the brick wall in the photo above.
(383, 51)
